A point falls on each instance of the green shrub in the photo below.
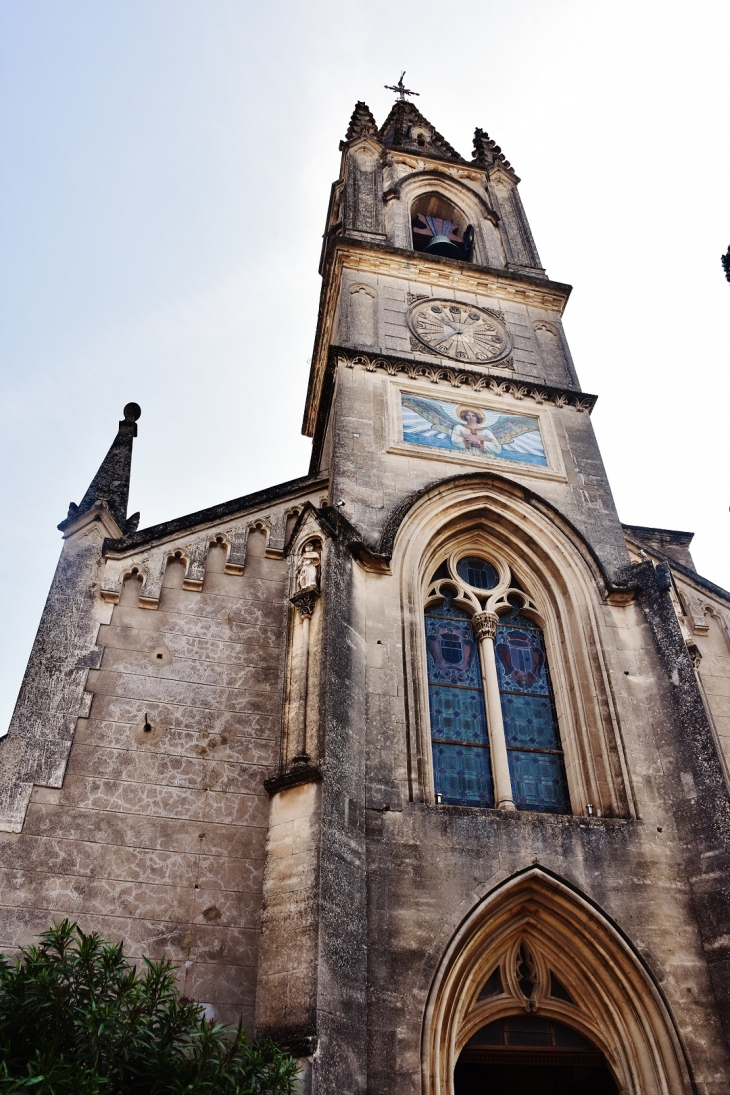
(77, 1017)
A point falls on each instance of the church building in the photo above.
(418, 762)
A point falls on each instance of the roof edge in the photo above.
(673, 534)
(214, 513)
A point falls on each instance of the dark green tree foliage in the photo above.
(77, 1017)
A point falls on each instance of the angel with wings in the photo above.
(467, 428)
(473, 435)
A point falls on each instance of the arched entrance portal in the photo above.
(538, 992)
(524, 1054)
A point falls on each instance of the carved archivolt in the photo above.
(562, 583)
(470, 201)
(533, 930)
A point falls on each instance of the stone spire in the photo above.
(397, 132)
(110, 485)
(362, 122)
(487, 151)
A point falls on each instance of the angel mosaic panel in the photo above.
(474, 430)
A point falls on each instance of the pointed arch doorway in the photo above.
(524, 1054)
(539, 992)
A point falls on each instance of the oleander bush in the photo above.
(77, 1018)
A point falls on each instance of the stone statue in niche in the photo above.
(308, 573)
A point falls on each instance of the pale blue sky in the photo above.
(166, 167)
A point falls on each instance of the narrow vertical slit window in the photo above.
(536, 762)
(461, 761)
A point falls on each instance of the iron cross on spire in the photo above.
(402, 91)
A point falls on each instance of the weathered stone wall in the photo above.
(653, 872)
(708, 627)
(374, 481)
(538, 352)
(157, 836)
(428, 866)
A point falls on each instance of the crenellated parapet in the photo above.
(149, 562)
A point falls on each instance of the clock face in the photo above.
(460, 331)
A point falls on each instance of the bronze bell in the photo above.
(442, 245)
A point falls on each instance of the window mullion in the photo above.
(485, 628)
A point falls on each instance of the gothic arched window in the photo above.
(461, 762)
(536, 764)
(439, 228)
(494, 728)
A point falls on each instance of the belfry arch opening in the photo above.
(538, 991)
(439, 228)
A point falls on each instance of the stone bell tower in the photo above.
(417, 763)
(405, 209)
(489, 665)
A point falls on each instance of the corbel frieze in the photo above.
(438, 373)
(151, 564)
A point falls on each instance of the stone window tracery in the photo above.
(494, 730)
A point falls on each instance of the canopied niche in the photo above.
(535, 953)
(490, 518)
(552, 353)
(362, 322)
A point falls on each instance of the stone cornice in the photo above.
(293, 777)
(457, 376)
(381, 258)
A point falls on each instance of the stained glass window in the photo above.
(534, 750)
(461, 763)
(477, 572)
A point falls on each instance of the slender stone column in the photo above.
(304, 601)
(485, 628)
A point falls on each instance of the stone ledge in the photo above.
(443, 371)
(302, 773)
(581, 821)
